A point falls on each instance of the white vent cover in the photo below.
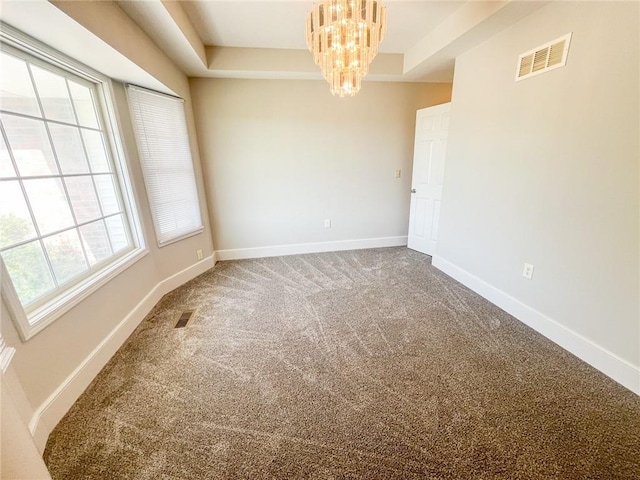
(549, 56)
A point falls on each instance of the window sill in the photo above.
(183, 236)
(30, 324)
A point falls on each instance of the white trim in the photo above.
(298, 248)
(620, 370)
(40, 319)
(22, 41)
(150, 91)
(45, 311)
(6, 354)
(182, 237)
(11, 300)
(45, 315)
(49, 413)
(121, 163)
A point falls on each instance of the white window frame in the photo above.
(29, 324)
(146, 161)
(6, 354)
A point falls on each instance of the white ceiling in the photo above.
(266, 38)
(281, 24)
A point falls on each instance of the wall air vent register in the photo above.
(542, 59)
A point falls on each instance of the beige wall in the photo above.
(280, 156)
(545, 171)
(47, 360)
(19, 456)
(112, 25)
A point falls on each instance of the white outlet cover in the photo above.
(527, 271)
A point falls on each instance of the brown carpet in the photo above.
(363, 364)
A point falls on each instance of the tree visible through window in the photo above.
(62, 215)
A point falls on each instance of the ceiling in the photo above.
(266, 39)
(282, 24)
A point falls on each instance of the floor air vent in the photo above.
(184, 319)
(550, 56)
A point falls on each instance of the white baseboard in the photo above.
(183, 276)
(49, 413)
(298, 248)
(608, 363)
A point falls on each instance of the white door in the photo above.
(428, 175)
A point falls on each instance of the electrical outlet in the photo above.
(199, 253)
(327, 223)
(398, 173)
(527, 271)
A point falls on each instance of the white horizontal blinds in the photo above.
(163, 142)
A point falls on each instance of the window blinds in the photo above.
(163, 144)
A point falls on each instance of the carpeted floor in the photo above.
(363, 364)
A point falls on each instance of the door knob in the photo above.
(413, 190)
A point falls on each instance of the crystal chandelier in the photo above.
(343, 36)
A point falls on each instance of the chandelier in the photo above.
(343, 36)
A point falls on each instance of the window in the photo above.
(167, 166)
(67, 220)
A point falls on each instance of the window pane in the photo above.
(16, 89)
(49, 204)
(117, 233)
(29, 271)
(30, 145)
(83, 198)
(54, 96)
(65, 255)
(6, 167)
(96, 151)
(15, 222)
(58, 181)
(84, 105)
(107, 194)
(96, 242)
(68, 147)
